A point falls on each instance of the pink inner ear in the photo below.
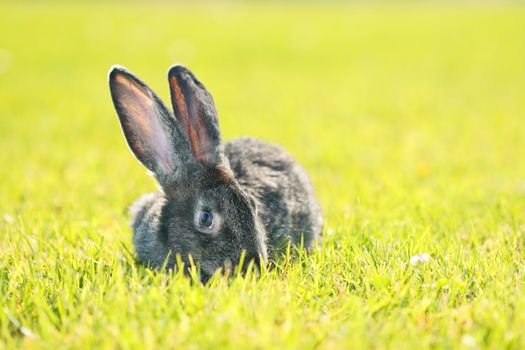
(195, 126)
(143, 124)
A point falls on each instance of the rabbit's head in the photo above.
(203, 213)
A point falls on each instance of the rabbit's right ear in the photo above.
(149, 127)
(195, 110)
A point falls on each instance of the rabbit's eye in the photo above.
(205, 219)
(206, 222)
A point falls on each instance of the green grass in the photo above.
(410, 120)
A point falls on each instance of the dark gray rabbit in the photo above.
(215, 200)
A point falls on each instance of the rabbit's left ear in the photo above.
(150, 129)
(195, 110)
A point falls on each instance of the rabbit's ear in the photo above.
(148, 126)
(195, 110)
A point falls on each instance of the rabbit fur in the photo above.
(215, 199)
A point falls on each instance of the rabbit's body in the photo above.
(215, 200)
(286, 204)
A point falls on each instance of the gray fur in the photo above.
(260, 197)
(286, 203)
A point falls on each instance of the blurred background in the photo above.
(391, 106)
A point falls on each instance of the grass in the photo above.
(409, 118)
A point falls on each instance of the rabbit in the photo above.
(215, 199)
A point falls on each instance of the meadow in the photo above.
(410, 119)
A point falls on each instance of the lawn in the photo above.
(409, 118)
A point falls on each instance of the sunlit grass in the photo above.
(410, 120)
